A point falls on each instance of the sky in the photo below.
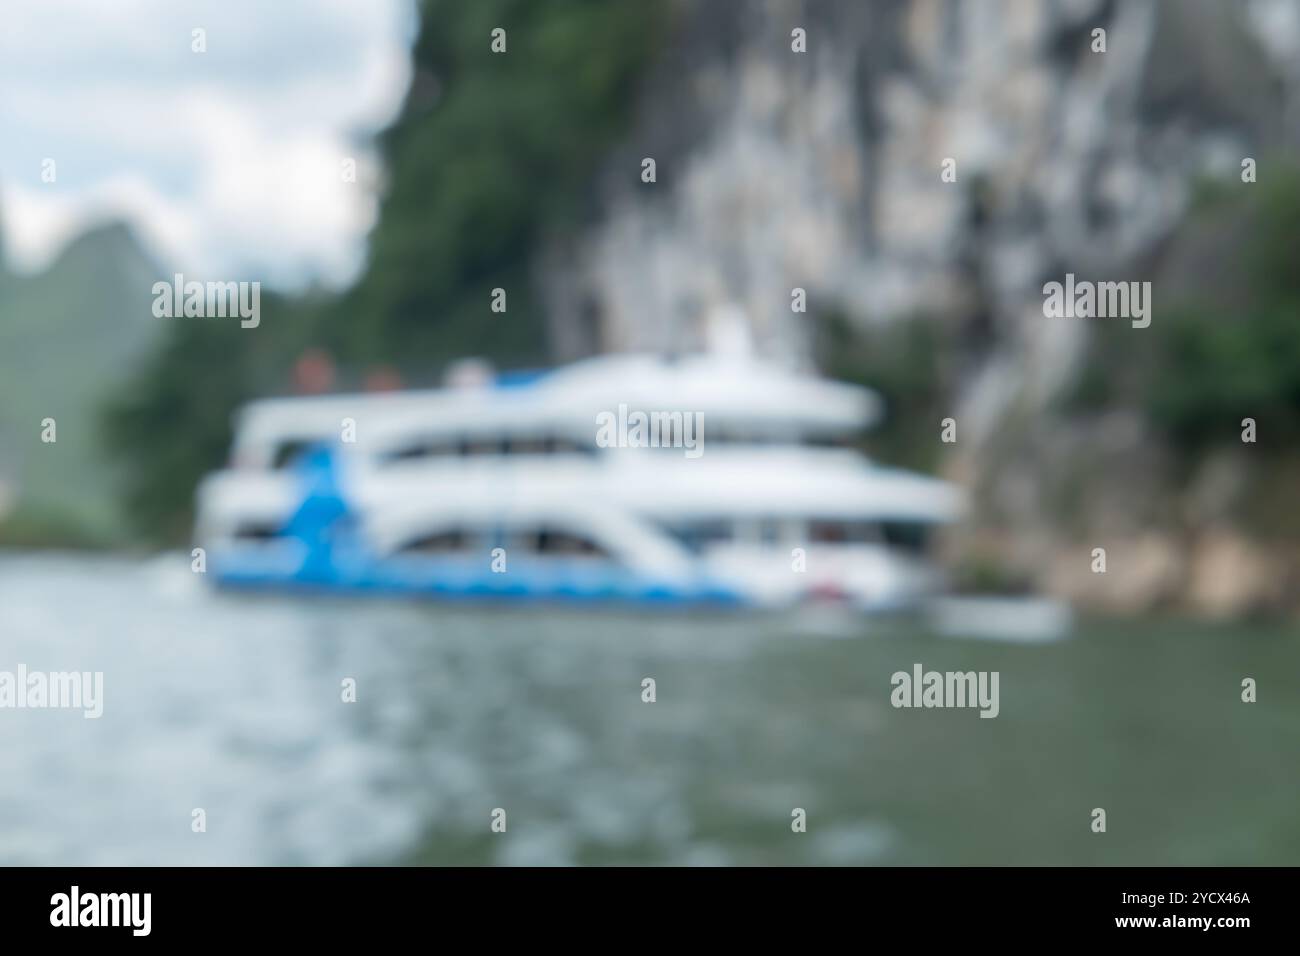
(229, 163)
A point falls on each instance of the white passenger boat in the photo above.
(625, 477)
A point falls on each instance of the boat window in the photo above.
(481, 447)
(864, 532)
(837, 531)
(827, 441)
(698, 535)
(421, 449)
(755, 437)
(556, 543)
(447, 541)
(526, 446)
(255, 531)
(287, 452)
(559, 445)
(827, 532)
(910, 536)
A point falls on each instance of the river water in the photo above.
(233, 705)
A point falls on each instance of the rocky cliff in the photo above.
(1071, 150)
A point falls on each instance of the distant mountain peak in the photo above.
(110, 242)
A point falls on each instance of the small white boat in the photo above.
(738, 491)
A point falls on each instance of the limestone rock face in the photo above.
(1143, 574)
(1230, 575)
(824, 171)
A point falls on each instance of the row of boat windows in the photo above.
(695, 536)
(473, 447)
(483, 448)
(904, 535)
(550, 542)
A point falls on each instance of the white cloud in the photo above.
(229, 162)
(39, 224)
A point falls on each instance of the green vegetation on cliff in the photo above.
(491, 152)
(1224, 343)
